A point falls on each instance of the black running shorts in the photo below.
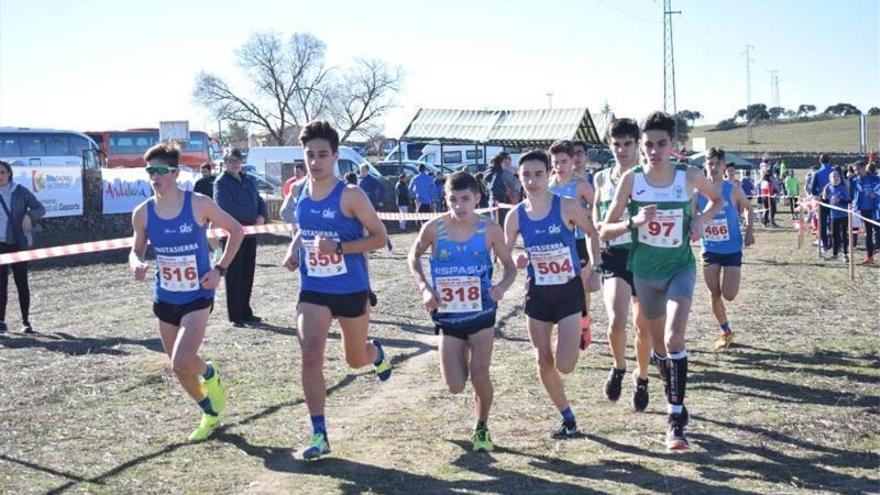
(341, 305)
(173, 313)
(552, 303)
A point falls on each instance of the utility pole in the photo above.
(669, 103)
(748, 54)
(774, 88)
(549, 100)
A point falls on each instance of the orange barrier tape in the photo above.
(126, 242)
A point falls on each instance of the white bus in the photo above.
(47, 148)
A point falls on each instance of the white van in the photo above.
(456, 155)
(349, 159)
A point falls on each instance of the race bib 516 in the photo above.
(178, 273)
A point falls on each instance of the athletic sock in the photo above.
(677, 367)
(725, 327)
(318, 425)
(567, 416)
(206, 406)
(209, 372)
(380, 355)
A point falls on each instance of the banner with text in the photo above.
(125, 188)
(60, 189)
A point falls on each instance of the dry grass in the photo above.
(89, 404)
(834, 135)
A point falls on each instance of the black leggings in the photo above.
(872, 232)
(839, 235)
(20, 275)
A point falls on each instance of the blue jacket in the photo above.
(820, 179)
(239, 198)
(862, 189)
(374, 188)
(837, 196)
(422, 188)
(23, 203)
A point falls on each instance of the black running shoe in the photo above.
(565, 430)
(675, 439)
(613, 384)
(640, 394)
(373, 299)
(3, 327)
(685, 417)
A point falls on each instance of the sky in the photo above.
(102, 65)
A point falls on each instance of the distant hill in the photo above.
(840, 134)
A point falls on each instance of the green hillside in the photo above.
(834, 135)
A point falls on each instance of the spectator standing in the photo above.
(865, 200)
(439, 195)
(401, 193)
(767, 194)
(836, 194)
(498, 185)
(484, 193)
(792, 189)
(421, 189)
(747, 186)
(236, 193)
(19, 209)
(373, 187)
(205, 184)
(299, 174)
(817, 184)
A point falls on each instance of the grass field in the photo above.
(835, 135)
(89, 404)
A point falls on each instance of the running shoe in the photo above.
(3, 327)
(482, 440)
(613, 384)
(675, 439)
(319, 446)
(27, 327)
(565, 430)
(206, 427)
(216, 390)
(640, 394)
(383, 369)
(868, 261)
(586, 335)
(723, 340)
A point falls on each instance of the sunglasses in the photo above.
(160, 170)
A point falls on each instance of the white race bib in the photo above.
(665, 231)
(624, 238)
(323, 265)
(716, 230)
(460, 294)
(552, 267)
(178, 273)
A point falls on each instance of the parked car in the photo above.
(349, 160)
(407, 167)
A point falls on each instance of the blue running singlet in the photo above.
(550, 244)
(722, 233)
(182, 254)
(333, 273)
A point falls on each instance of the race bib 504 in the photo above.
(552, 267)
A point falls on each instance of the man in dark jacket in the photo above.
(236, 193)
(374, 188)
(205, 185)
(401, 193)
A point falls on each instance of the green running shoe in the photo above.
(319, 446)
(206, 427)
(482, 440)
(383, 369)
(216, 390)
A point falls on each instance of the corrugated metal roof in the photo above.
(501, 127)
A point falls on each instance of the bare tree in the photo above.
(292, 85)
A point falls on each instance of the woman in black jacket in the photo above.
(19, 209)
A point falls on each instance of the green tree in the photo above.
(805, 110)
(874, 111)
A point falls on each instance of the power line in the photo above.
(631, 16)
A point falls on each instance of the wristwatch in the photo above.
(338, 247)
(629, 223)
(220, 270)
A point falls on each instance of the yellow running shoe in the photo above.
(482, 440)
(206, 427)
(216, 390)
(723, 340)
(319, 447)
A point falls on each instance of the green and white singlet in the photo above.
(662, 246)
(607, 192)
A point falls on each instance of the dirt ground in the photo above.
(89, 405)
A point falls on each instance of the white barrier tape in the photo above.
(847, 211)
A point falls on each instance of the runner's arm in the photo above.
(427, 238)
(220, 218)
(502, 251)
(579, 216)
(356, 203)
(613, 228)
(713, 200)
(597, 179)
(743, 204)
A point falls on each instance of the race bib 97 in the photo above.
(459, 294)
(552, 267)
(323, 265)
(665, 230)
(178, 273)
